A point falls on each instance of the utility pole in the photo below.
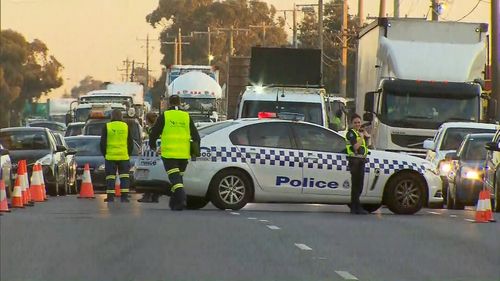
(264, 27)
(396, 8)
(343, 62)
(230, 31)
(126, 67)
(381, 11)
(146, 87)
(294, 19)
(495, 53)
(176, 44)
(320, 33)
(209, 42)
(361, 12)
(435, 10)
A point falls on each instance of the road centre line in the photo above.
(303, 247)
(346, 275)
(273, 227)
(250, 218)
(263, 220)
(234, 213)
(470, 220)
(434, 213)
(453, 216)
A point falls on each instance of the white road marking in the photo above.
(346, 275)
(470, 220)
(252, 218)
(434, 213)
(303, 247)
(234, 213)
(453, 216)
(273, 227)
(263, 220)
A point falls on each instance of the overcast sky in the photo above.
(93, 37)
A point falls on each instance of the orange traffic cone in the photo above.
(4, 205)
(20, 173)
(42, 180)
(86, 189)
(483, 209)
(26, 185)
(118, 191)
(17, 194)
(36, 184)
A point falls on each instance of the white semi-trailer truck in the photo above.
(413, 75)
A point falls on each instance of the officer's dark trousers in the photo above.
(175, 169)
(123, 169)
(357, 167)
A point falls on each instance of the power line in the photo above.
(473, 9)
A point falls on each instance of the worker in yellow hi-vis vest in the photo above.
(179, 141)
(116, 146)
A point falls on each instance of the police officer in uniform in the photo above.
(177, 132)
(116, 146)
(356, 155)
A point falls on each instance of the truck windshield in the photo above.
(82, 114)
(411, 109)
(205, 105)
(312, 111)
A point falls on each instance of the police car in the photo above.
(275, 160)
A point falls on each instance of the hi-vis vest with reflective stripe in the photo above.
(176, 135)
(348, 146)
(117, 145)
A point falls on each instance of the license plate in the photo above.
(141, 174)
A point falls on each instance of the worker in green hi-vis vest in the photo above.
(179, 141)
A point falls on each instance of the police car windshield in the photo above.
(205, 131)
(312, 111)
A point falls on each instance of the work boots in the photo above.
(178, 200)
(109, 198)
(124, 197)
(146, 198)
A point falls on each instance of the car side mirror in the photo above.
(492, 146)
(429, 144)
(71, 151)
(60, 148)
(450, 156)
(4, 152)
(369, 101)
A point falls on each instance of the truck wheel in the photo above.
(405, 194)
(195, 202)
(230, 189)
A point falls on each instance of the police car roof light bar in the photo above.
(266, 115)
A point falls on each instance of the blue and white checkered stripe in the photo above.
(293, 158)
(147, 151)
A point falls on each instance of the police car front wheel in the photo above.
(230, 189)
(405, 194)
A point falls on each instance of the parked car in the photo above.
(6, 170)
(38, 145)
(88, 152)
(74, 129)
(465, 179)
(70, 165)
(492, 170)
(447, 139)
(57, 127)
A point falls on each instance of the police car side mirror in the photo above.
(428, 144)
(492, 146)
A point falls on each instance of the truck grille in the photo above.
(414, 142)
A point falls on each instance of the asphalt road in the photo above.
(79, 239)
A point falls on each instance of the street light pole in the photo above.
(495, 52)
(320, 34)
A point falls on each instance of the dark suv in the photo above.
(492, 170)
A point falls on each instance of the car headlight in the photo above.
(101, 167)
(471, 174)
(46, 160)
(444, 168)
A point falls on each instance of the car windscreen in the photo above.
(205, 131)
(50, 126)
(312, 111)
(454, 136)
(475, 150)
(85, 146)
(24, 140)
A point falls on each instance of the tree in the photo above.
(86, 85)
(26, 72)
(198, 15)
(308, 37)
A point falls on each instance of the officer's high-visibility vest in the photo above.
(350, 151)
(117, 144)
(176, 135)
